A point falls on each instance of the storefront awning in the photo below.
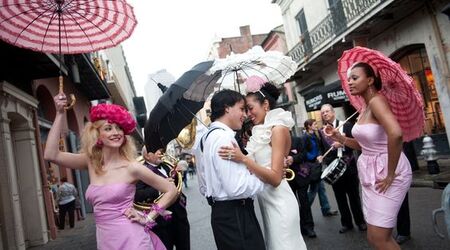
(331, 93)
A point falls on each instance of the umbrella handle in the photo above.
(72, 96)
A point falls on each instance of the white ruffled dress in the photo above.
(279, 207)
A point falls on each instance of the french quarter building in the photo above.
(416, 34)
(28, 82)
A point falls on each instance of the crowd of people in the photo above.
(137, 206)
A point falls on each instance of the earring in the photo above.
(99, 143)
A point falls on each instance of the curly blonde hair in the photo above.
(89, 146)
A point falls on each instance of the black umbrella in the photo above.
(178, 105)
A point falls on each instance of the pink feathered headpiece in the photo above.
(114, 114)
(254, 84)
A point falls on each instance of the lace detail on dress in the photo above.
(261, 134)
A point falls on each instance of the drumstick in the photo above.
(342, 124)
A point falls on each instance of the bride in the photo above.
(267, 148)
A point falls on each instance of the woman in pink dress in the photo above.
(108, 153)
(383, 169)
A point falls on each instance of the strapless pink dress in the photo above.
(380, 209)
(114, 230)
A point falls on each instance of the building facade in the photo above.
(416, 34)
(28, 83)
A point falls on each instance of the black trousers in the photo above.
(301, 192)
(235, 226)
(346, 190)
(403, 219)
(63, 209)
(175, 234)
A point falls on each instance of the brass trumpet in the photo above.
(290, 174)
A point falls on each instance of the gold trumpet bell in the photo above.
(186, 138)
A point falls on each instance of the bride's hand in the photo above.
(233, 153)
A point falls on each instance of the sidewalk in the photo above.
(82, 236)
(421, 177)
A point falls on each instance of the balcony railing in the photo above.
(343, 14)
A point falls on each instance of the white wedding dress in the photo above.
(279, 207)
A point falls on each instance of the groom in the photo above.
(228, 186)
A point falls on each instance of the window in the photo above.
(304, 34)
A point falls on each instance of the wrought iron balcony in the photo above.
(342, 15)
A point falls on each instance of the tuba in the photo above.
(170, 162)
(186, 138)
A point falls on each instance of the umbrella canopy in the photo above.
(178, 105)
(397, 86)
(270, 65)
(68, 27)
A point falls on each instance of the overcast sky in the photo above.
(177, 34)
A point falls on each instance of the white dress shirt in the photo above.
(223, 179)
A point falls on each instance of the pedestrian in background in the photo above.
(66, 201)
(314, 150)
(300, 183)
(403, 217)
(78, 208)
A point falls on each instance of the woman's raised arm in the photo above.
(51, 152)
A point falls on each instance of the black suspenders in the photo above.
(206, 136)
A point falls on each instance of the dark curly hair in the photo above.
(269, 92)
(370, 73)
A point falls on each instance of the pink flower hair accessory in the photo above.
(254, 84)
(113, 114)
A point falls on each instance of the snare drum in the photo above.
(334, 171)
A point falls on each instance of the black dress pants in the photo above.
(301, 192)
(63, 209)
(348, 187)
(174, 233)
(235, 226)
(403, 220)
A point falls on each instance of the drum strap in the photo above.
(339, 150)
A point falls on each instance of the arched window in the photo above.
(415, 61)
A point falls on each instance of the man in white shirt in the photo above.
(228, 186)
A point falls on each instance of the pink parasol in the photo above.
(66, 26)
(397, 86)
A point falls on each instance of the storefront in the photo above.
(332, 94)
(415, 62)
